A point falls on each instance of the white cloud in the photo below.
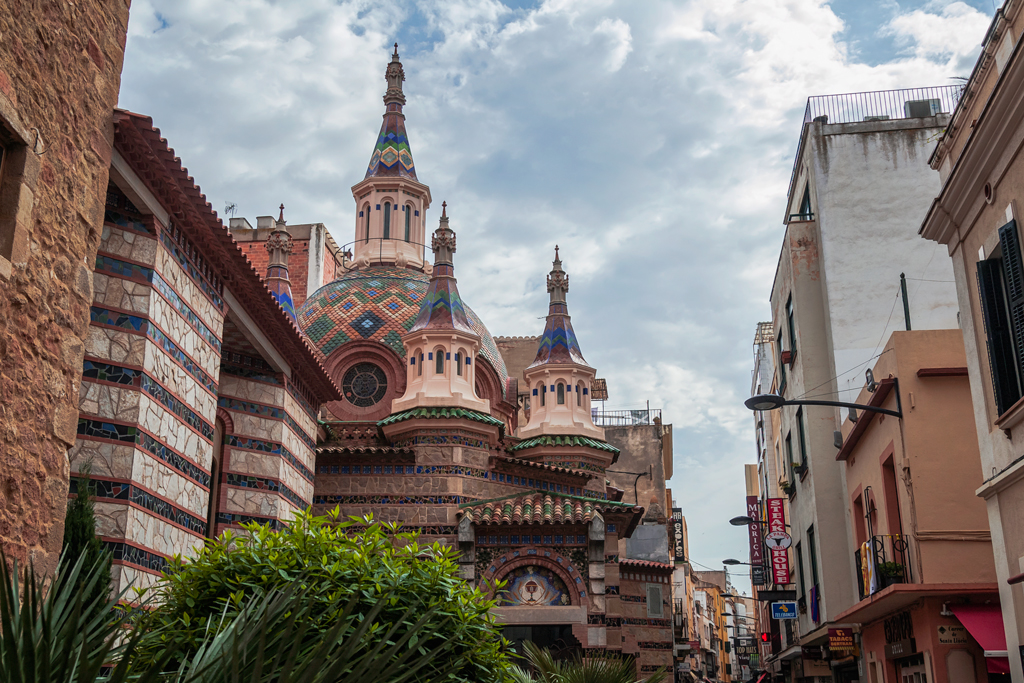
(653, 141)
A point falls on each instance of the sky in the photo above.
(652, 141)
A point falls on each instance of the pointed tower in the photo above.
(279, 245)
(559, 379)
(441, 345)
(391, 203)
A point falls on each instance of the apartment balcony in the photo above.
(625, 418)
(882, 562)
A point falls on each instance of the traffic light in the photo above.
(765, 637)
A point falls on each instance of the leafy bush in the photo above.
(605, 668)
(347, 571)
(80, 541)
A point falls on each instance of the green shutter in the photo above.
(1001, 359)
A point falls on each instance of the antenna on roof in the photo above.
(231, 209)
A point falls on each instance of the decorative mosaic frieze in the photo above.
(249, 373)
(633, 598)
(132, 323)
(397, 499)
(187, 313)
(535, 539)
(249, 481)
(611, 590)
(577, 465)
(134, 271)
(596, 620)
(241, 360)
(126, 553)
(269, 412)
(302, 395)
(132, 434)
(613, 622)
(233, 518)
(645, 645)
(190, 366)
(115, 490)
(126, 222)
(269, 447)
(442, 440)
(192, 271)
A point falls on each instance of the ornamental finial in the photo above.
(556, 252)
(280, 219)
(396, 49)
(444, 209)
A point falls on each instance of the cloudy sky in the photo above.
(651, 140)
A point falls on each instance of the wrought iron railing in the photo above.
(625, 418)
(886, 563)
(878, 105)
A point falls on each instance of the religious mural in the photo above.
(533, 586)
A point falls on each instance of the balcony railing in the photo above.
(625, 418)
(886, 562)
(879, 105)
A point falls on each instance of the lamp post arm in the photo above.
(842, 404)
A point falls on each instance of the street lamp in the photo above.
(742, 520)
(731, 562)
(774, 402)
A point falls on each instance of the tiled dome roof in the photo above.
(379, 303)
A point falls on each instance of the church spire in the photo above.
(278, 246)
(558, 343)
(442, 306)
(391, 155)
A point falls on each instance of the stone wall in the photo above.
(60, 71)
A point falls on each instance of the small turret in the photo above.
(279, 246)
(441, 345)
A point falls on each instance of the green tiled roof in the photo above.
(440, 413)
(563, 441)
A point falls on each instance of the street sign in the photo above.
(778, 540)
(775, 595)
(952, 635)
(783, 610)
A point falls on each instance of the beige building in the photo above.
(920, 545)
(860, 182)
(975, 216)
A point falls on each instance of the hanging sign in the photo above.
(677, 535)
(780, 556)
(757, 573)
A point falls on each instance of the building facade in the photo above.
(192, 417)
(920, 543)
(976, 216)
(860, 178)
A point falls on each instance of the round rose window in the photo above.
(364, 385)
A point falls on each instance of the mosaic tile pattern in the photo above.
(132, 271)
(339, 312)
(535, 539)
(396, 499)
(192, 271)
(128, 554)
(231, 518)
(103, 316)
(538, 508)
(558, 343)
(270, 412)
(125, 222)
(563, 441)
(248, 481)
(268, 447)
(108, 372)
(442, 306)
(132, 434)
(115, 490)
(449, 470)
(646, 645)
(280, 288)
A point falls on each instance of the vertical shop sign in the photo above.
(780, 556)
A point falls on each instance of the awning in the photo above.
(985, 624)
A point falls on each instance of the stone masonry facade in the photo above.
(59, 79)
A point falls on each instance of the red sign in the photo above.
(756, 546)
(780, 556)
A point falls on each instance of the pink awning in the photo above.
(985, 624)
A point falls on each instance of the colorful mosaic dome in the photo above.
(379, 303)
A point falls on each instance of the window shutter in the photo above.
(654, 607)
(1002, 362)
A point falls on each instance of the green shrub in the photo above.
(80, 541)
(348, 570)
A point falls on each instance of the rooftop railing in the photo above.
(625, 418)
(879, 105)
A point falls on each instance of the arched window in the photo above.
(458, 363)
(387, 220)
(561, 394)
(408, 220)
(367, 212)
(417, 359)
(543, 394)
(579, 394)
(439, 361)
(420, 371)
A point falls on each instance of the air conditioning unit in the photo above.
(919, 109)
